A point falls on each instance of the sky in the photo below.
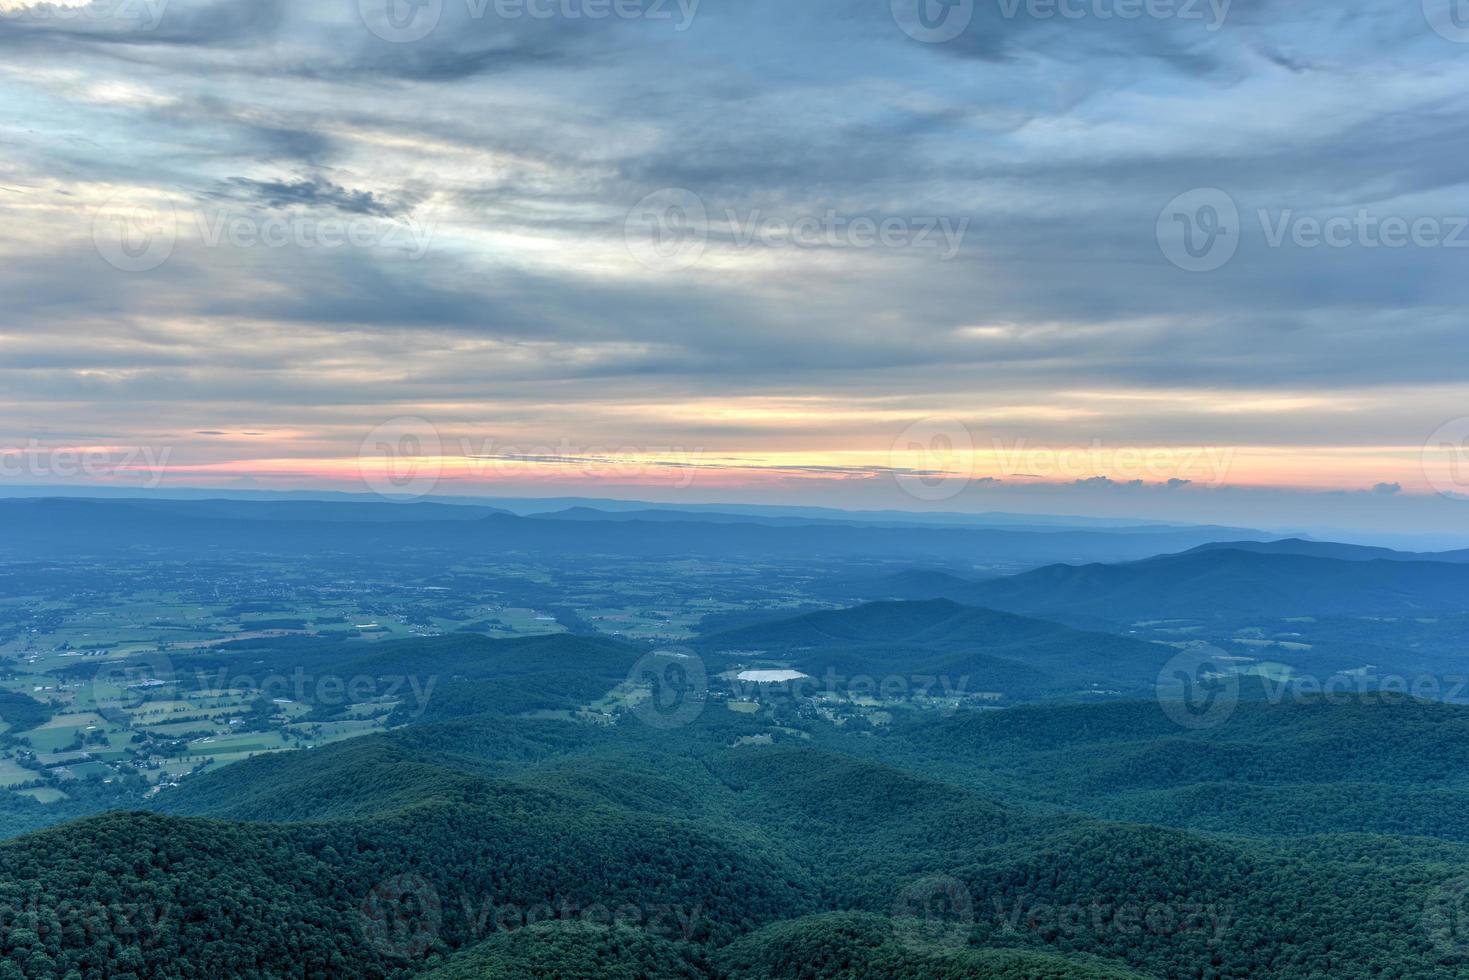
(1202, 260)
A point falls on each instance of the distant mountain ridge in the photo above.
(1333, 549)
(1212, 582)
(81, 526)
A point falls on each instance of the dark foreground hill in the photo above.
(996, 844)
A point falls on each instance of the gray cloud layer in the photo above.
(483, 177)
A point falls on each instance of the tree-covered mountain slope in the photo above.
(1219, 583)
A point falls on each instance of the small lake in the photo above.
(771, 676)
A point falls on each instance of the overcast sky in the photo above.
(840, 251)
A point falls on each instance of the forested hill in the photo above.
(501, 846)
(995, 651)
(1332, 549)
(1218, 583)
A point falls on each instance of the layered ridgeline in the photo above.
(1217, 582)
(1016, 656)
(48, 527)
(572, 805)
(1286, 609)
(1001, 844)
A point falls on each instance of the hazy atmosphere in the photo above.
(734, 490)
